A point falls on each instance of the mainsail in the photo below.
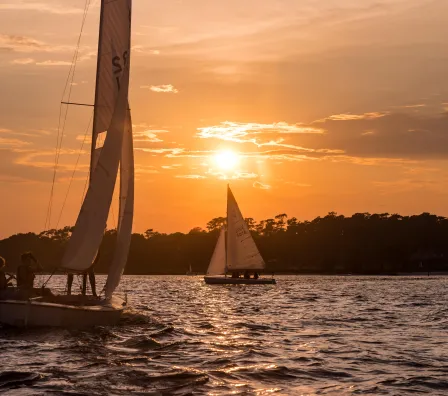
(113, 57)
(242, 252)
(217, 264)
(112, 119)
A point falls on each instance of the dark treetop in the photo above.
(363, 243)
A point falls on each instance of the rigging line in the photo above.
(58, 138)
(85, 188)
(61, 130)
(74, 170)
(60, 133)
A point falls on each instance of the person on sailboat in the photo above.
(4, 282)
(92, 281)
(26, 271)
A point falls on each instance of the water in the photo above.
(308, 335)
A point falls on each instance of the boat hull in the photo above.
(221, 280)
(32, 313)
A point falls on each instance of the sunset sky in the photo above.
(304, 106)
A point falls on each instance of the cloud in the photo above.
(40, 7)
(168, 88)
(260, 134)
(23, 61)
(239, 132)
(149, 136)
(24, 44)
(350, 117)
(139, 49)
(12, 143)
(175, 151)
(261, 185)
(53, 63)
(400, 136)
(145, 169)
(33, 133)
(30, 158)
(191, 177)
(20, 43)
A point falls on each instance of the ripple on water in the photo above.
(307, 335)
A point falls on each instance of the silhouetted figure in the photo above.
(3, 280)
(255, 275)
(26, 271)
(246, 275)
(91, 273)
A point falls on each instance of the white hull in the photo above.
(222, 280)
(35, 313)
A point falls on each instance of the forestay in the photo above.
(242, 252)
(111, 113)
(217, 264)
(124, 232)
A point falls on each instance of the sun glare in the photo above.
(226, 160)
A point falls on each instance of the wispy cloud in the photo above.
(239, 132)
(261, 135)
(140, 49)
(53, 63)
(261, 185)
(24, 44)
(191, 177)
(166, 151)
(12, 143)
(23, 61)
(20, 43)
(350, 117)
(18, 5)
(149, 136)
(167, 88)
(35, 159)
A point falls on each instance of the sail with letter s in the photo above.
(111, 117)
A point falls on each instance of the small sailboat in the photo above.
(112, 121)
(190, 271)
(235, 251)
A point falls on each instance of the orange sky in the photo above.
(332, 105)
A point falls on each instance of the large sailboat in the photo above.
(235, 252)
(112, 152)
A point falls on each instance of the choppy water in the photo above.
(304, 336)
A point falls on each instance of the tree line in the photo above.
(361, 244)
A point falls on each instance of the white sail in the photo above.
(113, 58)
(124, 231)
(242, 252)
(111, 109)
(217, 264)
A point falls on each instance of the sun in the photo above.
(226, 160)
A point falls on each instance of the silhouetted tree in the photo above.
(363, 243)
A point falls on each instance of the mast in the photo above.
(97, 81)
(227, 226)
